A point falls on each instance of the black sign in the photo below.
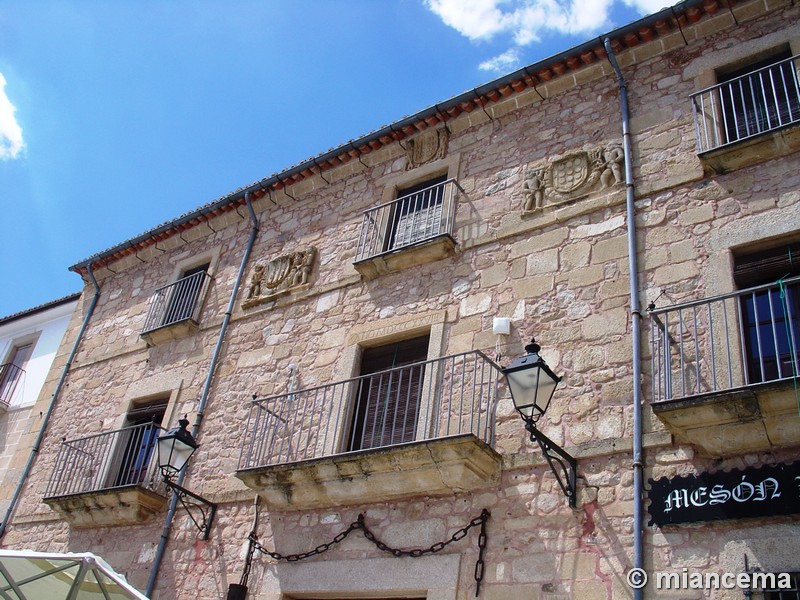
(736, 494)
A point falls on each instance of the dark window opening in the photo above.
(417, 213)
(770, 317)
(137, 442)
(760, 97)
(13, 371)
(184, 295)
(387, 402)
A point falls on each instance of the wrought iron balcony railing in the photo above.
(408, 221)
(764, 100)
(438, 398)
(115, 459)
(177, 302)
(726, 342)
(11, 376)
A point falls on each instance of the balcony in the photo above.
(107, 479)
(11, 379)
(426, 428)
(412, 230)
(725, 369)
(749, 119)
(175, 308)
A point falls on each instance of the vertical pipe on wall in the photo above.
(636, 317)
(35, 450)
(205, 393)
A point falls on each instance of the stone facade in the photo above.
(558, 268)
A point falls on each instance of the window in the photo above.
(420, 217)
(748, 99)
(760, 97)
(184, 295)
(12, 372)
(179, 301)
(387, 402)
(771, 312)
(417, 213)
(137, 442)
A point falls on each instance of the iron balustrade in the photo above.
(409, 220)
(448, 396)
(764, 100)
(114, 459)
(177, 302)
(726, 342)
(10, 377)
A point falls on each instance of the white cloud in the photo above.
(524, 21)
(649, 6)
(475, 19)
(507, 61)
(11, 143)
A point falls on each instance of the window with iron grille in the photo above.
(417, 213)
(387, 404)
(760, 97)
(179, 301)
(12, 372)
(749, 99)
(138, 441)
(770, 316)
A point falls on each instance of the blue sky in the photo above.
(117, 116)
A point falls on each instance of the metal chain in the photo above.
(480, 564)
(398, 552)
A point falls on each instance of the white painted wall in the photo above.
(46, 327)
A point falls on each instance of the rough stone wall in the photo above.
(561, 274)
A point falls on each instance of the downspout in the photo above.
(35, 450)
(636, 317)
(205, 393)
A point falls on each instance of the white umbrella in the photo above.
(27, 575)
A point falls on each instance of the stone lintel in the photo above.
(129, 505)
(433, 468)
(760, 417)
(437, 248)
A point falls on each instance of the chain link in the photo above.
(398, 552)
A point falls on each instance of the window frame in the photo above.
(15, 397)
(770, 318)
(406, 377)
(157, 328)
(711, 70)
(367, 335)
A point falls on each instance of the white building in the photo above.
(29, 341)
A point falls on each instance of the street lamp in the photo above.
(532, 385)
(175, 448)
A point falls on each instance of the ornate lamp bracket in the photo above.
(207, 509)
(562, 464)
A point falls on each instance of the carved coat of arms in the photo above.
(426, 147)
(573, 176)
(280, 275)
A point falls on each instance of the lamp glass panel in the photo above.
(173, 454)
(531, 389)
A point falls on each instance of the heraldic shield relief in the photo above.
(279, 276)
(572, 177)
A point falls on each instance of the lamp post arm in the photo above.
(208, 518)
(562, 464)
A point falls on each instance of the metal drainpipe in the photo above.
(35, 450)
(204, 396)
(636, 317)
